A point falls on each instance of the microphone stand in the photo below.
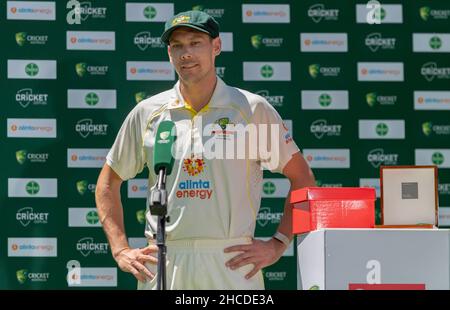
(158, 206)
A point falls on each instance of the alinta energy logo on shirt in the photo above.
(319, 13)
(144, 40)
(27, 215)
(428, 13)
(194, 187)
(374, 98)
(24, 38)
(22, 156)
(25, 97)
(375, 41)
(216, 12)
(83, 69)
(431, 71)
(431, 129)
(316, 70)
(259, 41)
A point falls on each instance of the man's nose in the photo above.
(186, 54)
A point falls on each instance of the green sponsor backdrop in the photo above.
(33, 158)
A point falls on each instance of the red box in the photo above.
(332, 207)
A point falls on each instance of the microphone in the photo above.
(162, 149)
(163, 161)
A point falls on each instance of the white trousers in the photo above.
(200, 265)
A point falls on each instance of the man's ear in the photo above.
(217, 46)
(168, 53)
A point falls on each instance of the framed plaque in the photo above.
(409, 196)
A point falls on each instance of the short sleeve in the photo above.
(279, 147)
(126, 156)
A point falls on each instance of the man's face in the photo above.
(192, 53)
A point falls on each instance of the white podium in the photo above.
(343, 259)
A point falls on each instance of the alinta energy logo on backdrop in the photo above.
(144, 40)
(259, 41)
(87, 246)
(26, 216)
(276, 101)
(266, 216)
(431, 100)
(91, 98)
(324, 99)
(31, 10)
(318, 71)
(430, 129)
(438, 157)
(84, 69)
(83, 187)
(26, 97)
(148, 12)
(31, 127)
(265, 13)
(318, 13)
(214, 12)
(24, 276)
(375, 98)
(23, 156)
(91, 40)
(25, 38)
(380, 71)
(32, 247)
(86, 127)
(137, 188)
(86, 158)
(83, 217)
(375, 42)
(428, 13)
(323, 42)
(378, 157)
(327, 158)
(321, 128)
(150, 70)
(430, 71)
(87, 10)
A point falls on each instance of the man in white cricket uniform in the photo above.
(214, 190)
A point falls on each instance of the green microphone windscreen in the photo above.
(162, 150)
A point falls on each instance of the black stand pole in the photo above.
(158, 206)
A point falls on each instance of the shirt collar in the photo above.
(217, 99)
